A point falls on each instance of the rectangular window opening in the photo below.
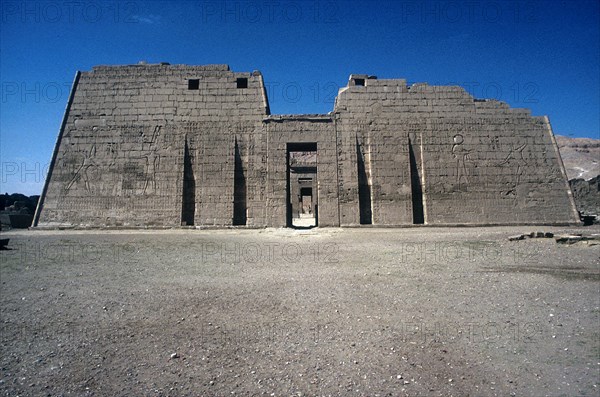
(193, 84)
(242, 82)
(359, 82)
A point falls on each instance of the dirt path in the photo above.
(277, 312)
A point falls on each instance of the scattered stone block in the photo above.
(531, 235)
(569, 239)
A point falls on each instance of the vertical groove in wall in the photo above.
(364, 187)
(416, 188)
(369, 168)
(337, 170)
(423, 186)
(240, 204)
(288, 190)
(269, 184)
(188, 205)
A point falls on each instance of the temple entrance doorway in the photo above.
(302, 185)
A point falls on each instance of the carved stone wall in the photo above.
(473, 161)
(166, 145)
(129, 131)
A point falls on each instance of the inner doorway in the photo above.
(302, 185)
(306, 210)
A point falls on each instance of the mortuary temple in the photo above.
(169, 145)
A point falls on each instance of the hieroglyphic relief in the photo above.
(152, 160)
(122, 158)
(85, 171)
(111, 152)
(141, 171)
(516, 163)
(461, 155)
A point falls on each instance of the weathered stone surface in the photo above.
(587, 195)
(172, 145)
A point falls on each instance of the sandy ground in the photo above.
(279, 312)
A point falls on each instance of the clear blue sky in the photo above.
(543, 55)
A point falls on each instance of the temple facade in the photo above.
(170, 145)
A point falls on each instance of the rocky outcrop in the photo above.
(587, 196)
(581, 156)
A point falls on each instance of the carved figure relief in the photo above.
(140, 148)
(85, 170)
(461, 154)
(152, 159)
(112, 150)
(515, 158)
(495, 143)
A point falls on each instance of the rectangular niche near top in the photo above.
(193, 84)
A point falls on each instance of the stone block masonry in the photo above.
(169, 145)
